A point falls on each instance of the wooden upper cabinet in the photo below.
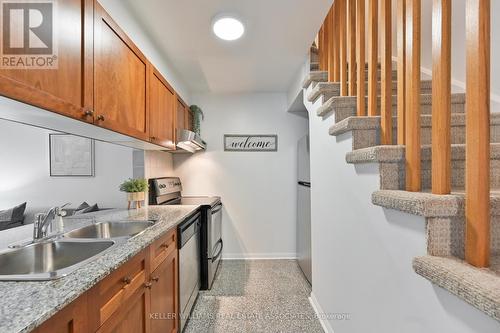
(180, 118)
(67, 88)
(161, 110)
(71, 319)
(121, 78)
(188, 118)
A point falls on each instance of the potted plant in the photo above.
(198, 116)
(135, 189)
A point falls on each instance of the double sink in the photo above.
(54, 258)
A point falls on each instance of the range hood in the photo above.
(189, 141)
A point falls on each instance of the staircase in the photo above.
(446, 263)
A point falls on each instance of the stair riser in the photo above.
(392, 175)
(446, 236)
(371, 137)
(346, 111)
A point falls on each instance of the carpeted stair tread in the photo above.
(346, 106)
(480, 287)
(396, 153)
(314, 76)
(365, 131)
(429, 205)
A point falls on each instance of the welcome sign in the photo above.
(250, 142)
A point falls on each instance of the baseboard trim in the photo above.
(325, 324)
(259, 256)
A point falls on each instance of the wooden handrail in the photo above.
(441, 97)
(413, 47)
(372, 57)
(386, 77)
(351, 38)
(477, 180)
(360, 57)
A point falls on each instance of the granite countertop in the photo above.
(25, 305)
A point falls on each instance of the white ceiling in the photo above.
(276, 42)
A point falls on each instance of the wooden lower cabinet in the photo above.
(132, 317)
(141, 296)
(164, 300)
(72, 319)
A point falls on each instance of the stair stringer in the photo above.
(362, 253)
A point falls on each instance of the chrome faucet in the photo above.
(44, 220)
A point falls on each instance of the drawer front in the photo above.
(118, 287)
(163, 247)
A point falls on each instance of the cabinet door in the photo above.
(110, 297)
(164, 300)
(121, 72)
(67, 88)
(132, 317)
(161, 110)
(71, 319)
(188, 118)
(181, 119)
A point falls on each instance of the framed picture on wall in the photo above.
(71, 156)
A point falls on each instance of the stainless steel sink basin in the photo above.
(48, 260)
(110, 229)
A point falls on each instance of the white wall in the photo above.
(362, 254)
(24, 172)
(258, 189)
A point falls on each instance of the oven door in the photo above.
(214, 242)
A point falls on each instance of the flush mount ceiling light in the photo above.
(228, 28)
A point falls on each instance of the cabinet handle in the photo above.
(153, 138)
(148, 285)
(155, 279)
(165, 246)
(127, 280)
(100, 118)
(88, 113)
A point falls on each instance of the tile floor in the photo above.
(255, 296)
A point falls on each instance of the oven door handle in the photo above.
(214, 258)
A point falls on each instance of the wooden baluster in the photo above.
(321, 48)
(413, 46)
(343, 46)
(401, 55)
(360, 58)
(441, 97)
(326, 41)
(331, 45)
(477, 183)
(351, 37)
(336, 55)
(386, 78)
(324, 65)
(372, 57)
